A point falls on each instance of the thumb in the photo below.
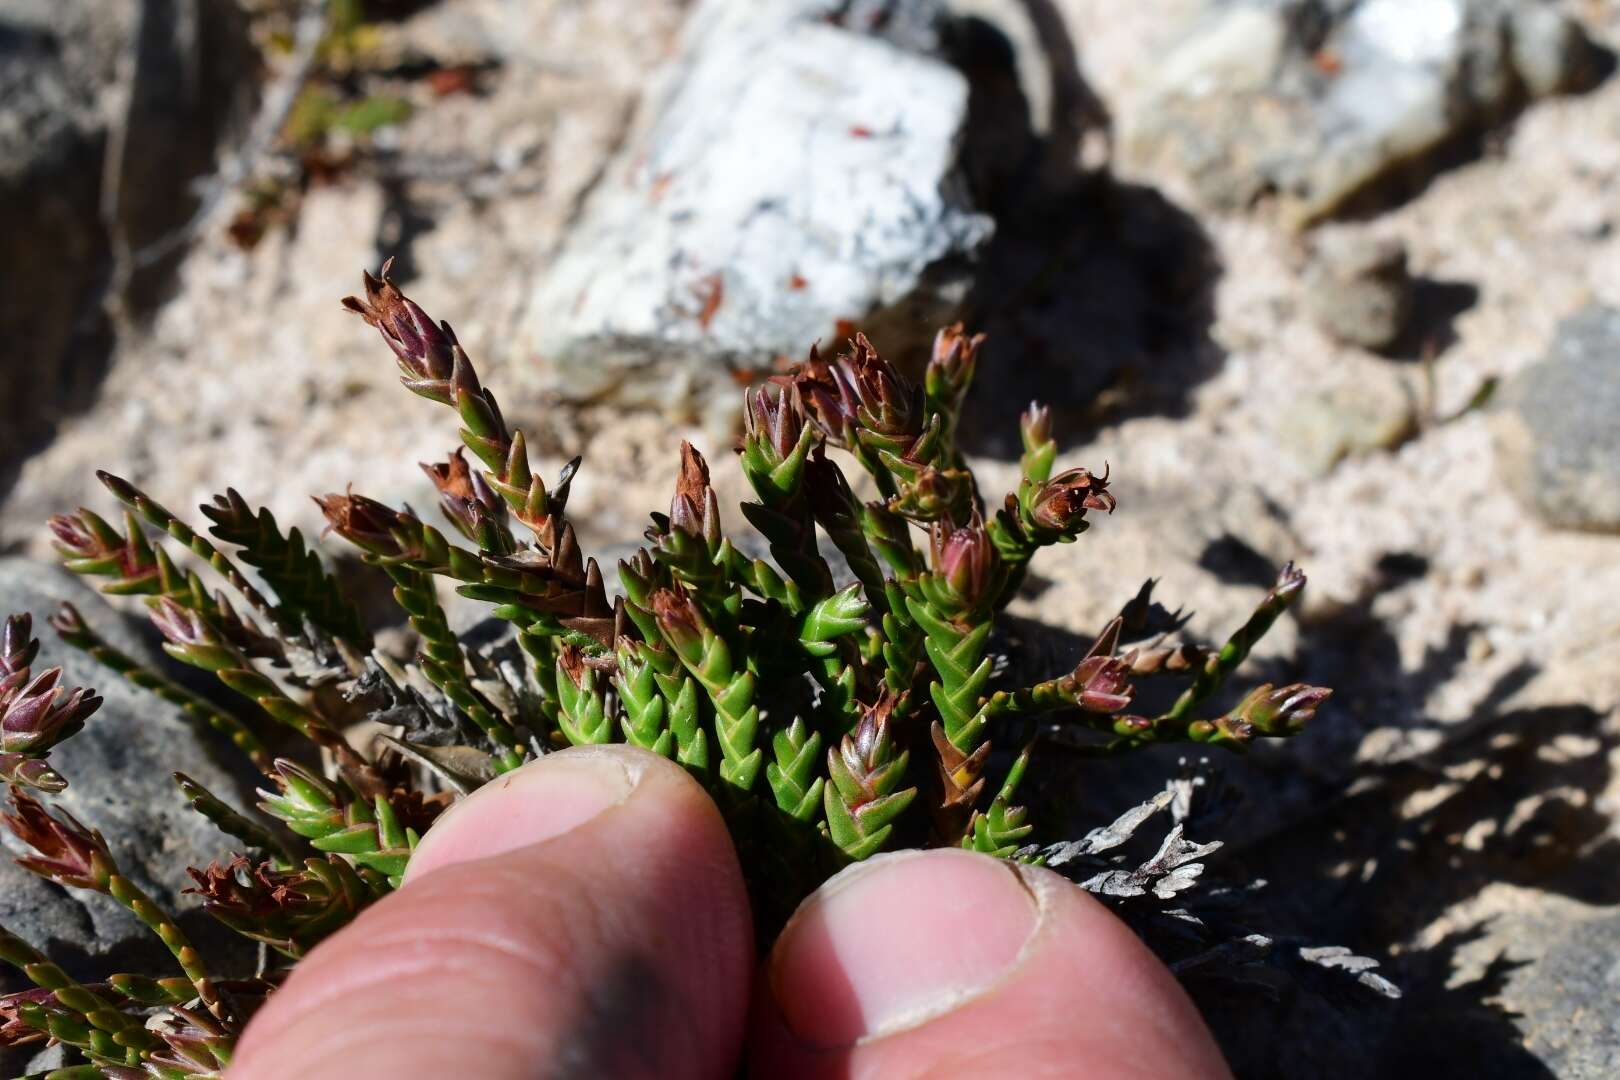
(583, 916)
(950, 963)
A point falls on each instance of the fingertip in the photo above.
(866, 957)
(532, 804)
(591, 893)
(923, 963)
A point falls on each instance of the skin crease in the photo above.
(585, 917)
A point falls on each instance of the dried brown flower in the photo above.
(1062, 502)
(65, 851)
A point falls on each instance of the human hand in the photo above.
(612, 938)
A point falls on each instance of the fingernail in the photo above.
(897, 941)
(538, 802)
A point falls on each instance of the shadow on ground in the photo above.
(1367, 851)
(1096, 294)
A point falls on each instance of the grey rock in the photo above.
(1357, 288)
(118, 771)
(71, 72)
(1368, 407)
(1557, 440)
(1569, 1001)
(1318, 100)
(786, 173)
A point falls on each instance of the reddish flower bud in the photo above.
(196, 1043)
(181, 625)
(1061, 504)
(30, 772)
(826, 399)
(18, 646)
(190, 638)
(955, 357)
(37, 716)
(886, 402)
(426, 351)
(1035, 425)
(1280, 710)
(678, 620)
(867, 748)
(965, 558)
(89, 545)
(1102, 684)
(64, 851)
(1289, 583)
(773, 421)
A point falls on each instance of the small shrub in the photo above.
(835, 706)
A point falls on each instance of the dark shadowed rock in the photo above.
(1569, 1001)
(152, 83)
(118, 771)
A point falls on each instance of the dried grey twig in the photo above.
(1174, 868)
(1173, 872)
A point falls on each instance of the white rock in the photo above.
(1264, 96)
(785, 174)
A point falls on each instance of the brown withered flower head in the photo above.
(860, 391)
(678, 619)
(425, 350)
(571, 662)
(64, 851)
(258, 891)
(1060, 505)
(695, 509)
(289, 908)
(14, 1031)
(366, 523)
(465, 497)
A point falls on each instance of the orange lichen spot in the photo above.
(711, 292)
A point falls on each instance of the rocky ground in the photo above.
(1272, 368)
